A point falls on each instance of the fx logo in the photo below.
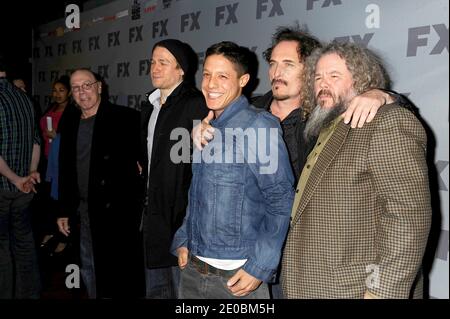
(103, 71)
(417, 38)
(73, 19)
(363, 41)
(113, 99)
(231, 13)
(135, 34)
(76, 46)
(190, 20)
(113, 39)
(54, 75)
(144, 67)
(94, 43)
(442, 250)
(441, 166)
(134, 101)
(325, 4)
(161, 27)
(61, 49)
(48, 51)
(122, 70)
(261, 6)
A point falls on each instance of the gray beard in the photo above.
(321, 118)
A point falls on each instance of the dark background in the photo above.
(17, 19)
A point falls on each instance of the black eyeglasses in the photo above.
(84, 86)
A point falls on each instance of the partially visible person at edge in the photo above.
(230, 243)
(362, 215)
(99, 183)
(19, 158)
(173, 105)
(20, 82)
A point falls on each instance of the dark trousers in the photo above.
(160, 283)
(19, 272)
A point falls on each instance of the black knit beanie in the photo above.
(180, 50)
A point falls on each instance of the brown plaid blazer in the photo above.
(364, 217)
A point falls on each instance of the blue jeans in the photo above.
(194, 285)
(162, 283)
(276, 291)
(17, 248)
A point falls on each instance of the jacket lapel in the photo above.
(172, 99)
(146, 109)
(326, 157)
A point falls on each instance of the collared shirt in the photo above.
(325, 135)
(18, 131)
(155, 100)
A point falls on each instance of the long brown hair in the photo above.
(365, 66)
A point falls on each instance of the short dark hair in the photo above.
(64, 80)
(236, 54)
(306, 42)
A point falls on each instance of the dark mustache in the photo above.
(278, 81)
(324, 92)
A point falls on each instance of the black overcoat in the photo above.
(114, 197)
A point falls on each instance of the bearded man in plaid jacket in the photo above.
(362, 213)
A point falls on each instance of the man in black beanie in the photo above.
(173, 105)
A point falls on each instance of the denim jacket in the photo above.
(240, 198)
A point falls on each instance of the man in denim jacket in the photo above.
(241, 191)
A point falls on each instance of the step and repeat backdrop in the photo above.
(115, 40)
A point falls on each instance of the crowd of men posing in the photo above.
(317, 189)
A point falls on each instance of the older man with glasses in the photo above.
(99, 182)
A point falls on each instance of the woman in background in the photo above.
(52, 242)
